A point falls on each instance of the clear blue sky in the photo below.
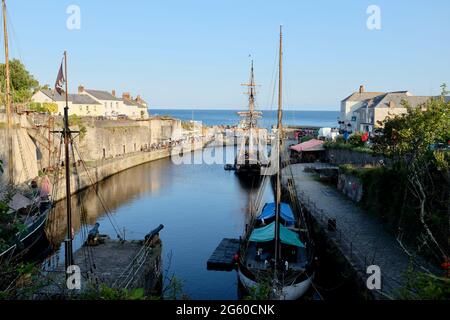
(194, 54)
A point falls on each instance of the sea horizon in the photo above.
(212, 117)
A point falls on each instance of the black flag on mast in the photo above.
(60, 80)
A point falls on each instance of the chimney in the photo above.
(80, 89)
(391, 104)
(113, 92)
(138, 99)
(126, 96)
(361, 89)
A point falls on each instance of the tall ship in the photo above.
(248, 162)
(276, 249)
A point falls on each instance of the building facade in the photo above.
(364, 111)
(96, 103)
(78, 104)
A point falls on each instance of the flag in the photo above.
(60, 81)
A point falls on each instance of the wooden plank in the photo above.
(222, 259)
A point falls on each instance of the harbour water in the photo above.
(198, 204)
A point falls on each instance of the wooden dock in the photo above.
(223, 258)
(116, 264)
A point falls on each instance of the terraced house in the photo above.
(88, 102)
(78, 104)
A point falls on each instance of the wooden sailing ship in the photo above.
(276, 249)
(248, 162)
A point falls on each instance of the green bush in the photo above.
(47, 107)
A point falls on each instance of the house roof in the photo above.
(74, 98)
(55, 96)
(398, 97)
(133, 103)
(130, 102)
(102, 95)
(82, 99)
(357, 96)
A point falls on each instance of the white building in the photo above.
(135, 108)
(112, 105)
(362, 111)
(96, 103)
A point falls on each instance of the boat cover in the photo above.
(285, 212)
(267, 233)
(311, 145)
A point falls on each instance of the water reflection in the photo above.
(107, 196)
(198, 204)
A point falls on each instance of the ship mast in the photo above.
(251, 93)
(250, 116)
(280, 138)
(67, 139)
(9, 119)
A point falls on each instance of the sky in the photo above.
(195, 54)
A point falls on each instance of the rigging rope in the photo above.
(97, 192)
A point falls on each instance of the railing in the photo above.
(357, 259)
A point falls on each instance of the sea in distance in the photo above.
(211, 117)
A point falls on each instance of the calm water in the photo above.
(269, 118)
(198, 205)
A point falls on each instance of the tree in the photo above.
(418, 143)
(23, 84)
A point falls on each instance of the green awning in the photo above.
(267, 233)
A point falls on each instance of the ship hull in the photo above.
(248, 172)
(28, 239)
(291, 292)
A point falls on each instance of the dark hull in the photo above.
(249, 172)
(27, 240)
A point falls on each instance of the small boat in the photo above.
(229, 167)
(276, 250)
(293, 269)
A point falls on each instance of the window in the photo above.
(111, 105)
(87, 108)
(106, 105)
(117, 105)
(354, 118)
(81, 108)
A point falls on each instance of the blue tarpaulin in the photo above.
(285, 212)
(267, 233)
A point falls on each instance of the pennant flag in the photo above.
(60, 81)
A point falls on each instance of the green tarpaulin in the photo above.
(267, 233)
